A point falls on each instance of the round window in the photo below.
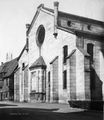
(40, 35)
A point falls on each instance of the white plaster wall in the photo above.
(33, 49)
(51, 47)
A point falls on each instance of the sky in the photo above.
(15, 14)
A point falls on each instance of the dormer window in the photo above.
(69, 23)
(89, 27)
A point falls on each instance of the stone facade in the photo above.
(73, 55)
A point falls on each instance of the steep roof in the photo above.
(76, 17)
(9, 67)
(38, 63)
(65, 15)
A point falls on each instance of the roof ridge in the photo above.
(74, 15)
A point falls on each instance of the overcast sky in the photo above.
(14, 14)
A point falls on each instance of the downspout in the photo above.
(56, 4)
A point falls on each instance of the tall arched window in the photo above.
(65, 79)
(34, 82)
(90, 50)
(65, 53)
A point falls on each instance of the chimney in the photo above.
(27, 43)
(56, 4)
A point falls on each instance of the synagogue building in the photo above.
(62, 61)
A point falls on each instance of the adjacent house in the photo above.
(7, 79)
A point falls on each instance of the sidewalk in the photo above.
(61, 108)
(55, 107)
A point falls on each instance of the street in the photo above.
(45, 111)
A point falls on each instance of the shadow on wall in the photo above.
(96, 91)
(96, 102)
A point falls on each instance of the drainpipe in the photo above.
(27, 42)
(56, 4)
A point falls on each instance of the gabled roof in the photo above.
(76, 17)
(66, 15)
(9, 67)
(38, 63)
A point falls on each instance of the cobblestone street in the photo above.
(45, 111)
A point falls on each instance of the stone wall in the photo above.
(16, 86)
(78, 66)
(26, 84)
(54, 74)
(73, 77)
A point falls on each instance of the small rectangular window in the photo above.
(65, 79)
(49, 77)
